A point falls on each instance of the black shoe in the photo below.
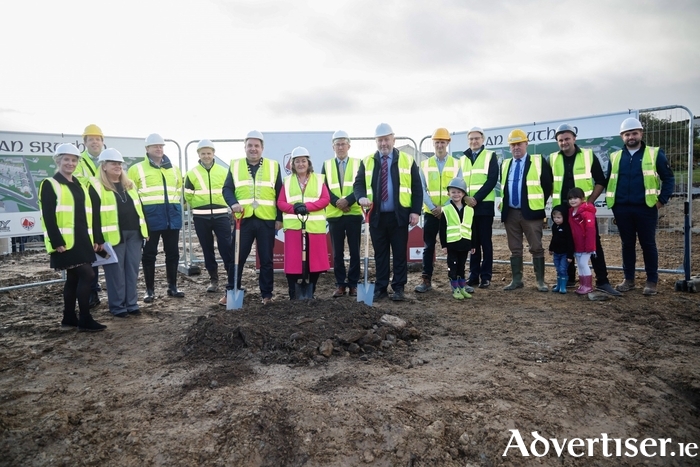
(473, 281)
(174, 292)
(607, 288)
(134, 312)
(149, 297)
(87, 324)
(484, 284)
(123, 314)
(94, 299)
(69, 320)
(398, 296)
(379, 294)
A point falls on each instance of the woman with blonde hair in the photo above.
(71, 222)
(124, 228)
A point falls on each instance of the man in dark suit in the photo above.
(390, 180)
(526, 183)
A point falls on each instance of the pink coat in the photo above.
(317, 245)
(583, 228)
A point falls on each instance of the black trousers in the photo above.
(208, 227)
(431, 229)
(262, 232)
(172, 255)
(456, 263)
(340, 228)
(481, 262)
(388, 235)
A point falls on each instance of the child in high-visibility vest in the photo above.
(456, 234)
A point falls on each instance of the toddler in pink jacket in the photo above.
(582, 222)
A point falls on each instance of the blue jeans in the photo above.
(561, 264)
(638, 222)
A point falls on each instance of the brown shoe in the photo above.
(649, 289)
(353, 292)
(222, 302)
(340, 291)
(626, 285)
(266, 300)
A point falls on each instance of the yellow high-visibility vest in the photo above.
(316, 221)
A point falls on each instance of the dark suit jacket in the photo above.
(546, 181)
(402, 213)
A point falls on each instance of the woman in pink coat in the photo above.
(304, 197)
(582, 222)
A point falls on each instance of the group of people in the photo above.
(91, 201)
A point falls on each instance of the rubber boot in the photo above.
(516, 267)
(562, 281)
(456, 291)
(70, 320)
(149, 276)
(424, 286)
(556, 287)
(464, 288)
(87, 324)
(585, 285)
(538, 265)
(171, 273)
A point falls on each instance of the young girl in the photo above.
(456, 234)
(561, 246)
(582, 222)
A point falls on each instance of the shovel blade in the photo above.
(304, 291)
(234, 299)
(365, 293)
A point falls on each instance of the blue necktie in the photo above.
(515, 196)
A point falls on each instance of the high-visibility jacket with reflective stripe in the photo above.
(261, 190)
(535, 192)
(477, 173)
(437, 182)
(109, 215)
(405, 163)
(159, 190)
(652, 186)
(582, 173)
(65, 214)
(206, 190)
(351, 168)
(316, 222)
(86, 167)
(456, 229)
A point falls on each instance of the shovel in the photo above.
(234, 298)
(365, 292)
(304, 290)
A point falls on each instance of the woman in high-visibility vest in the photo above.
(124, 228)
(304, 196)
(70, 217)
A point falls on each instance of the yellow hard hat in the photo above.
(93, 130)
(517, 136)
(442, 133)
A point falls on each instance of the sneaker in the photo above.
(608, 289)
(468, 288)
(485, 283)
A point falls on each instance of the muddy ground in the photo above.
(328, 383)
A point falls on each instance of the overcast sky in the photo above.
(218, 68)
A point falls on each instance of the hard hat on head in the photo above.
(442, 133)
(476, 129)
(110, 154)
(563, 128)
(205, 143)
(93, 130)
(340, 134)
(458, 182)
(517, 136)
(299, 151)
(255, 134)
(630, 124)
(153, 139)
(66, 148)
(383, 129)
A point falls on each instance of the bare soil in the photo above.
(327, 383)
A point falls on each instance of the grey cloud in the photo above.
(316, 101)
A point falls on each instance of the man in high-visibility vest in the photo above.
(526, 183)
(480, 171)
(390, 179)
(343, 214)
(252, 187)
(640, 183)
(158, 183)
(93, 139)
(203, 193)
(436, 173)
(572, 167)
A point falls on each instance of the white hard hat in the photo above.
(153, 139)
(563, 128)
(254, 134)
(458, 182)
(300, 151)
(67, 148)
(476, 129)
(630, 124)
(110, 154)
(205, 143)
(383, 129)
(340, 134)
